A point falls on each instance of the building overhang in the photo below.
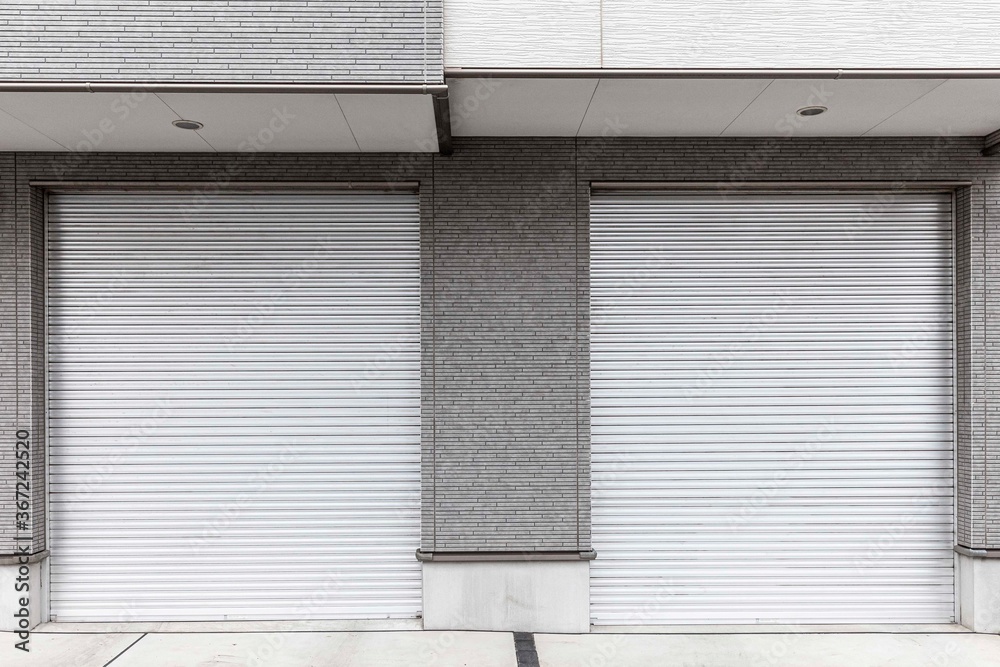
(234, 117)
(723, 102)
(286, 117)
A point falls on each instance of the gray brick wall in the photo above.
(985, 455)
(504, 242)
(964, 393)
(507, 431)
(10, 321)
(227, 40)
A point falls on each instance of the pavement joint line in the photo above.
(124, 650)
(524, 648)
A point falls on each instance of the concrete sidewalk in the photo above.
(51, 648)
(769, 650)
(263, 649)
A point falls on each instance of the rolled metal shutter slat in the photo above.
(234, 405)
(772, 408)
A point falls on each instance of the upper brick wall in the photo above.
(225, 40)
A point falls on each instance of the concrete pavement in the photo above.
(407, 648)
(769, 650)
(264, 649)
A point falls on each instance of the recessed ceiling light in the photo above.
(811, 111)
(188, 124)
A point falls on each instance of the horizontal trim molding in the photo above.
(977, 553)
(8, 559)
(716, 73)
(232, 185)
(21, 86)
(757, 186)
(497, 556)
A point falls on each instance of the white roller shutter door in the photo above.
(234, 405)
(772, 408)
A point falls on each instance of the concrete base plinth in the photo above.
(978, 584)
(22, 587)
(513, 596)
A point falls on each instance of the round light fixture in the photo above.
(188, 124)
(811, 111)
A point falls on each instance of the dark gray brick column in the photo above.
(509, 435)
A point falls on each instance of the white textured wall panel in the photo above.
(778, 33)
(513, 33)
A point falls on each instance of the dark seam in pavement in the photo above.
(125, 649)
(524, 648)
